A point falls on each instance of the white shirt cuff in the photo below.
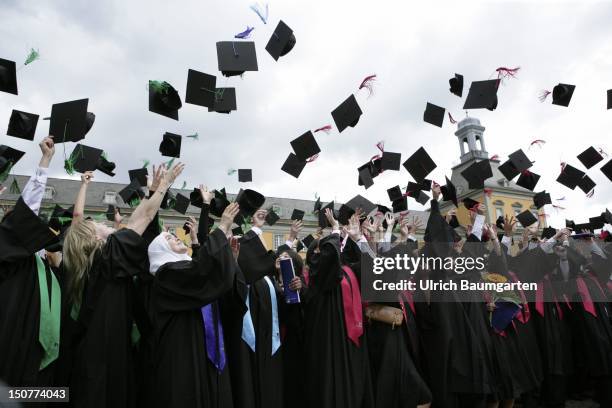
(256, 230)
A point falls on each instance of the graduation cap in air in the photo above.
(419, 165)
(317, 205)
(365, 175)
(69, 121)
(562, 94)
(219, 203)
(195, 198)
(271, 217)
(61, 218)
(201, 89)
(456, 85)
(391, 161)
(344, 214)
(236, 231)
(164, 99)
(570, 176)
(181, 203)
(22, 125)
(323, 222)
(305, 146)
(249, 201)
(360, 202)
(110, 213)
(420, 197)
(395, 193)
(132, 193)
(526, 218)
(293, 165)
(606, 169)
(548, 232)
(8, 76)
(84, 158)
(281, 42)
(470, 204)
(609, 99)
(170, 145)
(586, 184)
(597, 222)
(32, 233)
(508, 170)
(570, 224)
(607, 215)
(297, 214)
(477, 173)
(224, 100)
(434, 114)
(423, 185)
(590, 157)
(449, 192)
(308, 240)
(520, 161)
(105, 166)
(236, 57)
(399, 205)
(541, 199)
(347, 114)
(245, 175)
(140, 175)
(8, 158)
(482, 95)
(528, 180)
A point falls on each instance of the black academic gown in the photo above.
(20, 349)
(103, 374)
(338, 370)
(184, 375)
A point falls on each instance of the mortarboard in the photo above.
(508, 170)
(400, 204)
(562, 94)
(365, 175)
(168, 201)
(570, 176)
(140, 175)
(470, 204)
(281, 42)
(607, 216)
(548, 232)
(361, 202)
(586, 184)
(597, 222)
(323, 222)
(164, 99)
(423, 185)
(110, 213)
(347, 114)
(61, 218)
(271, 217)
(105, 166)
(224, 100)
(528, 180)
(434, 114)
(297, 214)
(606, 169)
(570, 224)
(131, 193)
(482, 94)
(8, 76)
(541, 199)
(526, 218)
(237, 231)
(419, 165)
(201, 89)
(395, 193)
(590, 157)
(456, 85)
(305, 146)
(477, 173)
(249, 201)
(344, 214)
(245, 175)
(85, 158)
(69, 121)
(421, 197)
(170, 145)
(391, 161)
(8, 158)
(520, 161)
(449, 192)
(293, 165)
(22, 125)
(317, 205)
(219, 203)
(583, 227)
(181, 203)
(28, 228)
(308, 240)
(195, 198)
(236, 57)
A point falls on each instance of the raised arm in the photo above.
(35, 189)
(204, 225)
(79, 205)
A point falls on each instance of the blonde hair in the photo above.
(80, 248)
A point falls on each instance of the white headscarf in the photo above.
(160, 253)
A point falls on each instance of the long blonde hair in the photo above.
(80, 247)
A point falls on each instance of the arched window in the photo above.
(465, 146)
(517, 208)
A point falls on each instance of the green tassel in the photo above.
(169, 164)
(4, 175)
(160, 223)
(184, 185)
(171, 202)
(14, 189)
(159, 86)
(246, 225)
(145, 163)
(134, 202)
(195, 136)
(64, 220)
(231, 171)
(100, 217)
(69, 166)
(32, 56)
(104, 156)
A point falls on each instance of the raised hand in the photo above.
(207, 196)
(87, 177)
(172, 174)
(414, 225)
(259, 218)
(227, 218)
(47, 147)
(158, 175)
(353, 230)
(192, 224)
(435, 191)
(390, 221)
(509, 225)
(296, 227)
(2, 189)
(329, 214)
(118, 218)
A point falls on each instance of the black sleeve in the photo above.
(203, 226)
(123, 256)
(328, 273)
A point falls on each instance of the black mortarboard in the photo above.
(61, 218)
(281, 42)
(423, 185)
(391, 161)
(85, 158)
(168, 200)
(456, 85)
(520, 161)
(317, 205)
(528, 180)
(395, 193)
(526, 218)
(195, 198)
(249, 201)
(237, 231)
(201, 88)
(541, 199)
(477, 173)
(570, 224)
(271, 217)
(365, 175)
(562, 94)
(140, 175)
(419, 165)
(9, 157)
(293, 165)
(225, 101)
(219, 203)
(131, 193)
(361, 202)
(607, 216)
(482, 94)
(586, 184)
(69, 122)
(590, 157)
(308, 240)
(245, 175)
(434, 114)
(105, 166)
(508, 170)
(22, 125)
(470, 204)
(421, 197)
(110, 213)
(548, 232)
(570, 176)
(181, 203)
(606, 169)
(449, 192)
(186, 228)
(597, 222)
(344, 214)
(347, 114)
(8, 76)
(164, 99)
(400, 205)
(376, 167)
(28, 229)
(583, 227)
(236, 57)
(170, 145)
(305, 146)
(297, 214)
(323, 222)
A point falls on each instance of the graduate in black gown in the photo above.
(189, 353)
(100, 264)
(30, 293)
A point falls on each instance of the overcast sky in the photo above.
(107, 50)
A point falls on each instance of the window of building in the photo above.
(279, 240)
(49, 193)
(110, 197)
(499, 212)
(517, 208)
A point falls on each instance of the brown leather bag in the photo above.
(385, 314)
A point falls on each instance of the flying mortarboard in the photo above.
(482, 95)
(317, 205)
(323, 222)
(132, 193)
(607, 216)
(365, 175)
(271, 217)
(570, 176)
(421, 197)
(195, 198)
(590, 157)
(219, 203)
(609, 99)
(562, 94)
(249, 201)
(361, 202)
(520, 161)
(508, 170)
(293, 165)
(548, 233)
(526, 218)
(308, 240)
(391, 161)
(528, 180)
(419, 165)
(245, 175)
(164, 99)
(597, 222)
(84, 158)
(449, 192)
(8, 76)
(281, 42)
(477, 173)
(105, 166)
(140, 175)
(347, 113)
(61, 218)
(8, 158)
(69, 121)
(456, 85)
(423, 185)
(395, 193)
(224, 100)
(170, 145)
(400, 205)
(586, 184)
(305, 146)
(541, 199)
(236, 57)
(201, 89)
(434, 114)
(470, 204)
(606, 169)
(297, 215)
(22, 125)
(181, 204)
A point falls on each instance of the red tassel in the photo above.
(368, 83)
(563, 164)
(591, 193)
(381, 146)
(503, 72)
(526, 173)
(326, 129)
(537, 142)
(450, 117)
(543, 95)
(494, 157)
(312, 158)
(488, 192)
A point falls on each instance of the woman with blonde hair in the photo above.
(100, 264)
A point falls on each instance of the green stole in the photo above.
(50, 311)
